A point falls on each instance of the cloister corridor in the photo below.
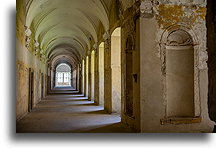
(115, 66)
(62, 112)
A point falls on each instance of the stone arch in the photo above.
(179, 55)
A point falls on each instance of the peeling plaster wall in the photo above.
(130, 28)
(22, 93)
(155, 19)
(25, 60)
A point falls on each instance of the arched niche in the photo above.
(179, 55)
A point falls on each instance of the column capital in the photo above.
(89, 53)
(95, 46)
(107, 44)
(106, 35)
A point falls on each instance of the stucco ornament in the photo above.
(146, 8)
(27, 37)
(36, 44)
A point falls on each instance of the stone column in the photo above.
(71, 80)
(84, 77)
(89, 77)
(107, 76)
(48, 78)
(77, 77)
(53, 79)
(96, 76)
(80, 78)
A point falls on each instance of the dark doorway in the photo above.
(42, 85)
(31, 89)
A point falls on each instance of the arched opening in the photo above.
(101, 74)
(179, 74)
(63, 75)
(92, 74)
(116, 70)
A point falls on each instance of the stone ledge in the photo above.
(183, 120)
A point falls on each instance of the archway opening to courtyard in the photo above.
(116, 70)
(101, 74)
(63, 75)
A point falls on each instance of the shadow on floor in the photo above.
(63, 100)
(97, 112)
(86, 104)
(111, 128)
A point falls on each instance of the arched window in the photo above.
(63, 75)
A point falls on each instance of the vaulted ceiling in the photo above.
(65, 29)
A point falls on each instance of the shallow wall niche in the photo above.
(180, 74)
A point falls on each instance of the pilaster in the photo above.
(96, 74)
(107, 74)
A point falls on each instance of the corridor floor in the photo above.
(70, 112)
